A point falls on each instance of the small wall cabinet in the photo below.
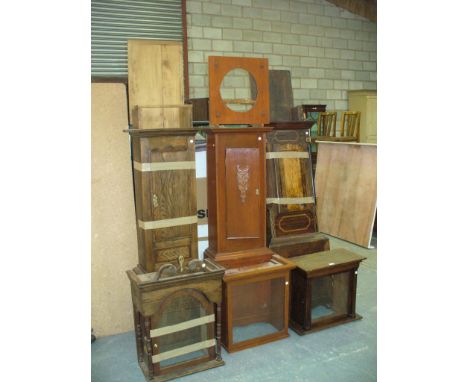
(177, 319)
(324, 290)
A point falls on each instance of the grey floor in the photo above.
(343, 353)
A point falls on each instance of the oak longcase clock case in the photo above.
(165, 195)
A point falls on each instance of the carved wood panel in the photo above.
(242, 193)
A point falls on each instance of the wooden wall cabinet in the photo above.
(365, 101)
(291, 215)
(236, 195)
(324, 290)
(165, 195)
(177, 316)
(256, 304)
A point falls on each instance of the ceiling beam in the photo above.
(364, 8)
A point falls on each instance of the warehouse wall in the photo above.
(327, 49)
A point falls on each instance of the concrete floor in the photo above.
(341, 354)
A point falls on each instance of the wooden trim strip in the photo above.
(164, 166)
(182, 326)
(164, 223)
(287, 154)
(183, 350)
(306, 200)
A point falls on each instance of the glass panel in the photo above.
(257, 309)
(329, 296)
(179, 310)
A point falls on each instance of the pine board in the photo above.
(155, 74)
(346, 186)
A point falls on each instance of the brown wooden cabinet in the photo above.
(177, 316)
(165, 195)
(324, 290)
(236, 195)
(291, 216)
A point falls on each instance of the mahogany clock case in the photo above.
(236, 196)
(292, 228)
(165, 195)
(177, 317)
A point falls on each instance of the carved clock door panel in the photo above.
(243, 220)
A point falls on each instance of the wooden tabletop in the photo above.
(322, 260)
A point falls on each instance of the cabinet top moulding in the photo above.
(142, 133)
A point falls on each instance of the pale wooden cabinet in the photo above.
(365, 101)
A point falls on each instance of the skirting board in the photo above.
(346, 186)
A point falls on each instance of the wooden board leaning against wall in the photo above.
(346, 190)
(114, 241)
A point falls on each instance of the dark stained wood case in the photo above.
(177, 320)
(292, 228)
(165, 195)
(236, 195)
(323, 290)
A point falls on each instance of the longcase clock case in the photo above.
(165, 195)
(292, 228)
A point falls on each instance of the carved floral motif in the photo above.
(243, 181)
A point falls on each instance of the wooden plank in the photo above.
(281, 95)
(155, 73)
(346, 187)
(114, 241)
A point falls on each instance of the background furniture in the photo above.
(177, 314)
(349, 127)
(165, 195)
(308, 113)
(324, 290)
(365, 101)
(291, 216)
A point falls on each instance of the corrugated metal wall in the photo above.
(113, 22)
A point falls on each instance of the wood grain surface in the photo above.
(346, 187)
(155, 73)
(281, 95)
(114, 242)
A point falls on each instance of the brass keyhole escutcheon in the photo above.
(155, 201)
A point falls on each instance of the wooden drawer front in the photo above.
(289, 223)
